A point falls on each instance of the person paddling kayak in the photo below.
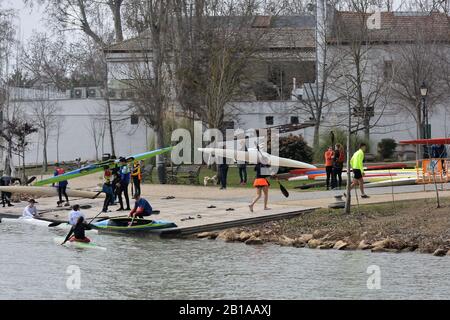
(142, 208)
(76, 219)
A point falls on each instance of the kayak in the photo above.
(427, 141)
(393, 182)
(32, 221)
(120, 224)
(97, 167)
(77, 244)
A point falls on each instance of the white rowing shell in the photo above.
(50, 191)
(252, 156)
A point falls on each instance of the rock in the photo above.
(314, 243)
(305, 237)
(228, 236)
(439, 252)
(340, 245)
(244, 236)
(364, 234)
(285, 241)
(448, 252)
(317, 234)
(209, 235)
(254, 241)
(256, 233)
(382, 249)
(326, 245)
(382, 243)
(363, 245)
(299, 243)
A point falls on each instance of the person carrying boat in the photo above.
(30, 210)
(261, 184)
(137, 177)
(142, 208)
(329, 154)
(356, 162)
(107, 187)
(125, 175)
(62, 186)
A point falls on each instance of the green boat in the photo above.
(122, 225)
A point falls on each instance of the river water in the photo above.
(32, 266)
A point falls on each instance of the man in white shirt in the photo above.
(30, 210)
(75, 214)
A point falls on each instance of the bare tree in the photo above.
(364, 82)
(148, 73)
(97, 130)
(415, 62)
(44, 113)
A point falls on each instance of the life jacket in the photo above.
(60, 171)
(137, 171)
(341, 158)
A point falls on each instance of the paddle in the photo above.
(283, 190)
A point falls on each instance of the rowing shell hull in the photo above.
(393, 182)
(97, 167)
(76, 244)
(252, 156)
(39, 223)
(50, 191)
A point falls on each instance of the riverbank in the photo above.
(414, 225)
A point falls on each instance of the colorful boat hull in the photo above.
(77, 244)
(120, 225)
(97, 167)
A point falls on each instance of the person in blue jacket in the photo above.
(125, 176)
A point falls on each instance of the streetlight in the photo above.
(424, 93)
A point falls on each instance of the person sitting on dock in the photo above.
(75, 214)
(142, 207)
(30, 210)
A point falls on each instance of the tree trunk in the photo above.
(108, 105)
(8, 169)
(45, 160)
(23, 168)
(367, 129)
(118, 23)
(160, 159)
(316, 134)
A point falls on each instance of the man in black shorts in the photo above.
(358, 169)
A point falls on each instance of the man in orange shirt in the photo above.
(329, 154)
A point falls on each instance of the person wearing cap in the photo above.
(30, 210)
(75, 214)
(142, 207)
(125, 175)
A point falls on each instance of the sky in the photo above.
(27, 20)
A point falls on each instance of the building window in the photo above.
(134, 119)
(269, 120)
(387, 71)
(294, 120)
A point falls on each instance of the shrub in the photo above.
(386, 148)
(340, 136)
(296, 148)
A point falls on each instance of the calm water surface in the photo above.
(32, 266)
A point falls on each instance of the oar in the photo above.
(283, 190)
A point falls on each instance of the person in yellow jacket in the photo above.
(137, 177)
(356, 162)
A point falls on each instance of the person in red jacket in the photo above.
(329, 154)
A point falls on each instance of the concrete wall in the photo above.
(76, 140)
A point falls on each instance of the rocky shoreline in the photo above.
(414, 226)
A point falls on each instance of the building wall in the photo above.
(75, 140)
